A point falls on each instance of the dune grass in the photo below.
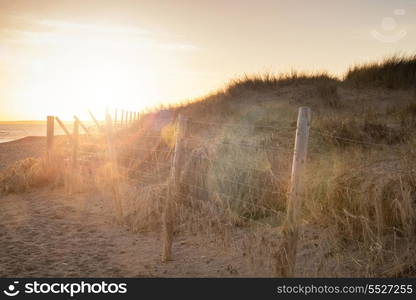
(359, 181)
(395, 72)
(360, 188)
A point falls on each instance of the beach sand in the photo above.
(10, 152)
(48, 233)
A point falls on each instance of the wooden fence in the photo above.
(124, 120)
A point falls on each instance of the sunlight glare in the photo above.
(90, 74)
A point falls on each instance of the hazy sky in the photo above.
(65, 56)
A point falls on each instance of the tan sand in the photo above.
(44, 233)
(10, 152)
(47, 233)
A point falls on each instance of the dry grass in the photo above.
(328, 92)
(350, 132)
(271, 81)
(360, 188)
(392, 73)
(359, 183)
(26, 174)
(367, 197)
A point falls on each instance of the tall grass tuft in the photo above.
(30, 173)
(396, 72)
(270, 81)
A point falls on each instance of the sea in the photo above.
(15, 131)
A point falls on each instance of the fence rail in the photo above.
(238, 162)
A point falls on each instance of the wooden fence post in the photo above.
(83, 126)
(115, 186)
(115, 118)
(95, 121)
(169, 209)
(122, 119)
(74, 163)
(286, 262)
(64, 128)
(50, 133)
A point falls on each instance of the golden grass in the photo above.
(26, 174)
(393, 72)
(360, 195)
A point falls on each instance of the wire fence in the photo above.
(209, 174)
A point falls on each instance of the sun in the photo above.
(67, 88)
(73, 86)
(81, 73)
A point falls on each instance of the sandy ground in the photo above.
(46, 234)
(21, 149)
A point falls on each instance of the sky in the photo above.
(63, 57)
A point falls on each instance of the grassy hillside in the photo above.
(358, 214)
(360, 186)
(396, 72)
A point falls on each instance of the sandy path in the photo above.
(46, 234)
(11, 152)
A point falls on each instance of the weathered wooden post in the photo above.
(74, 162)
(169, 209)
(83, 126)
(50, 133)
(286, 262)
(122, 119)
(68, 134)
(115, 118)
(115, 186)
(95, 121)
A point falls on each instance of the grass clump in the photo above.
(328, 92)
(396, 72)
(29, 173)
(268, 81)
(356, 132)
